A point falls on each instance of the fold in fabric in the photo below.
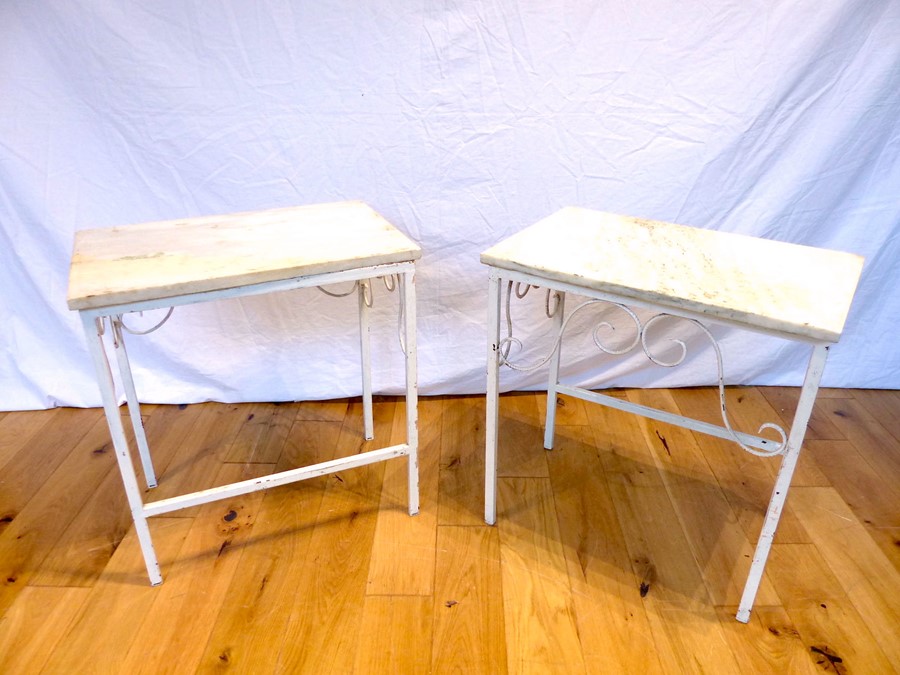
(461, 123)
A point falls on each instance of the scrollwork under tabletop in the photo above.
(641, 330)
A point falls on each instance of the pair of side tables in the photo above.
(793, 292)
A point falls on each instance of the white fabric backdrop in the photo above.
(462, 123)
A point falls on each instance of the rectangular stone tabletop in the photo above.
(120, 265)
(788, 288)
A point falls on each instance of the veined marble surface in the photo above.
(798, 290)
(119, 265)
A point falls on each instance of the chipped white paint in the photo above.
(124, 269)
(793, 292)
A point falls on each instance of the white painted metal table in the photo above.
(119, 270)
(786, 290)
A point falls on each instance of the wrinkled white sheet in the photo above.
(461, 122)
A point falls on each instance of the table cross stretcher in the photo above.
(148, 266)
(786, 290)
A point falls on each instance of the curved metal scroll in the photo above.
(117, 323)
(641, 329)
(391, 283)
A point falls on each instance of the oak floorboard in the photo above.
(768, 643)
(334, 410)
(395, 635)
(720, 546)
(99, 639)
(753, 410)
(311, 442)
(612, 622)
(263, 433)
(615, 511)
(870, 495)
(748, 410)
(521, 438)
(749, 479)
(185, 607)
(881, 404)
(784, 402)
(250, 628)
(570, 411)
(80, 555)
(539, 612)
(678, 605)
(469, 631)
(659, 550)
(869, 580)
(824, 616)
(832, 392)
(461, 485)
(322, 632)
(838, 640)
(35, 624)
(872, 441)
(403, 551)
(35, 531)
(39, 457)
(194, 464)
(17, 428)
(691, 640)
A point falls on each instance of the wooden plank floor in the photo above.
(623, 550)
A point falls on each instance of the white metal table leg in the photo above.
(493, 393)
(408, 305)
(558, 315)
(120, 444)
(365, 301)
(134, 407)
(783, 481)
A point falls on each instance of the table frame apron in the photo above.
(790, 451)
(93, 321)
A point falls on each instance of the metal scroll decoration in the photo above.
(391, 283)
(117, 323)
(552, 305)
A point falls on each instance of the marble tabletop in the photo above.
(132, 263)
(798, 290)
